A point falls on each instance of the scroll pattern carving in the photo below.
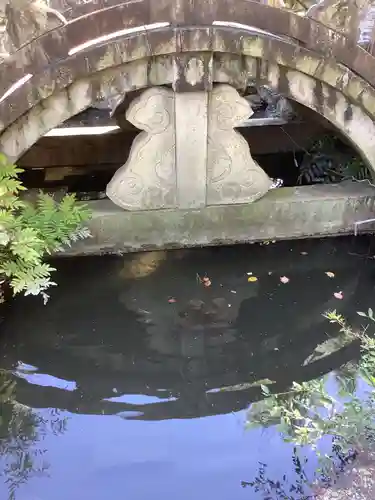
(232, 174)
(148, 179)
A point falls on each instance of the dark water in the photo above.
(119, 378)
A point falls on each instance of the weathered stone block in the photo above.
(191, 148)
(286, 213)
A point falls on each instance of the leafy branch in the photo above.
(307, 412)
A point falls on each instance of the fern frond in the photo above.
(27, 245)
(29, 232)
(8, 170)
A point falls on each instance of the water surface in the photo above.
(135, 379)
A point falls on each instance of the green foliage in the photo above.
(30, 232)
(330, 161)
(308, 412)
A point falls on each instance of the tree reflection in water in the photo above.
(333, 407)
(282, 489)
(22, 431)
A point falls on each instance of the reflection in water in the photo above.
(154, 372)
(282, 488)
(21, 433)
(342, 413)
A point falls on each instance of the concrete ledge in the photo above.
(286, 213)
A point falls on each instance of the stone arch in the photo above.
(343, 98)
(29, 79)
(88, 22)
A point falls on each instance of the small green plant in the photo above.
(30, 232)
(307, 412)
(330, 161)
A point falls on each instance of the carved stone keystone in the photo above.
(189, 154)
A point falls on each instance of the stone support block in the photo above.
(286, 213)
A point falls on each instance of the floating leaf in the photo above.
(284, 279)
(252, 279)
(330, 274)
(205, 280)
(338, 295)
(172, 300)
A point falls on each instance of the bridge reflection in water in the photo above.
(139, 338)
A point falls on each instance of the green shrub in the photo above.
(30, 232)
(307, 412)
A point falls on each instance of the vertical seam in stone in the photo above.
(208, 102)
(175, 149)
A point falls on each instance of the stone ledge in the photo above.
(286, 213)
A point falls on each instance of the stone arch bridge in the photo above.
(190, 177)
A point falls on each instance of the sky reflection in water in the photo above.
(121, 374)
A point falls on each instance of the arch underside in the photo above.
(328, 88)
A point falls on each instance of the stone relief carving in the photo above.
(232, 174)
(157, 175)
(340, 15)
(148, 179)
(23, 20)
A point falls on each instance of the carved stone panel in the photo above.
(232, 174)
(148, 179)
(189, 155)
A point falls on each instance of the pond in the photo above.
(136, 379)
